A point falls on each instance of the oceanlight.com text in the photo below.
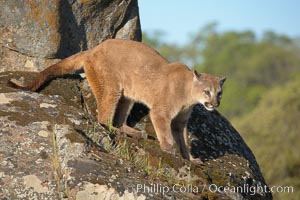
(213, 188)
(252, 190)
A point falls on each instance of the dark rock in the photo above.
(228, 158)
(215, 140)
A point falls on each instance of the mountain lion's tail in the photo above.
(65, 66)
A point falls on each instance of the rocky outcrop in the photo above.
(44, 156)
(35, 33)
(51, 147)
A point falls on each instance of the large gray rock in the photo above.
(33, 33)
(44, 156)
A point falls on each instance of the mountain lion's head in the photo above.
(207, 89)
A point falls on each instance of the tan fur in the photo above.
(121, 72)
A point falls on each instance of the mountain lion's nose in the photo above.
(216, 105)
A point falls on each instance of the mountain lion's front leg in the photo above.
(162, 127)
(179, 132)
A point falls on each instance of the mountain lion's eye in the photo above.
(207, 93)
(220, 95)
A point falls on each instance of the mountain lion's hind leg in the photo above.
(120, 118)
(107, 104)
(122, 111)
(133, 132)
(107, 96)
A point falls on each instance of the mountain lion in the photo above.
(121, 72)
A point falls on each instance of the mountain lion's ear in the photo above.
(222, 80)
(196, 75)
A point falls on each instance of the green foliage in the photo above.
(272, 132)
(172, 52)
